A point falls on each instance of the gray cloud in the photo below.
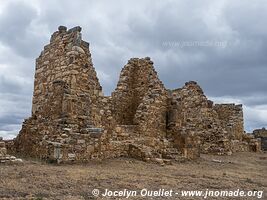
(16, 20)
(120, 30)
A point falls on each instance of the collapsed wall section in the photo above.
(140, 101)
(191, 113)
(231, 117)
(140, 98)
(219, 127)
(262, 135)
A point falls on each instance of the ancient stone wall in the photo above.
(219, 127)
(190, 112)
(231, 116)
(137, 90)
(140, 101)
(260, 132)
(66, 84)
(4, 155)
(72, 120)
(3, 150)
(262, 135)
(66, 101)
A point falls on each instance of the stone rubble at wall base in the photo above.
(4, 157)
(73, 122)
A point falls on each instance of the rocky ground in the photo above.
(36, 180)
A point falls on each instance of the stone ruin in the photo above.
(4, 156)
(72, 121)
(262, 135)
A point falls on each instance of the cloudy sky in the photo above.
(221, 44)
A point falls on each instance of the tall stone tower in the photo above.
(65, 81)
(66, 94)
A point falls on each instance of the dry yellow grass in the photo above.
(37, 180)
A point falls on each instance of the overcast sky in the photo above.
(220, 44)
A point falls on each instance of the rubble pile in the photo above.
(4, 156)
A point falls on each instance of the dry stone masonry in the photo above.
(72, 120)
(262, 135)
(4, 156)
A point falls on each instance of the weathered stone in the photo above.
(80, 141)
(78, 49)
(71, 156)
(77, 28)
(72, 120)
(4, 156)
(62, 28)
(262, 135)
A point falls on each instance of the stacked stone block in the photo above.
(231, 116)
(219, 127)
(4, 156)
(261, 134)
(140, 99)
(65, 112)
(72, 120)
